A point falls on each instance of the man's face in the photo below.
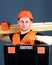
(24, 23)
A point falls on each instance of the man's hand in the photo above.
(5, 25)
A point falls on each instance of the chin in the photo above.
(24, 29)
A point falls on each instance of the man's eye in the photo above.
(26, 21)
(22, 21)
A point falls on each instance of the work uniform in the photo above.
(24, 39)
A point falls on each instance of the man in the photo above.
(26, 36)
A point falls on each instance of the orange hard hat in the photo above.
(25, 13)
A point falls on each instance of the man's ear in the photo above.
(31, 22)
(17, 22)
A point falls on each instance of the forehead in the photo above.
(24, 18)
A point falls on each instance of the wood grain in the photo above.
(44, 26)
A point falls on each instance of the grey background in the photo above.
(41, 10)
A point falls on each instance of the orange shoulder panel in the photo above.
(16, 39)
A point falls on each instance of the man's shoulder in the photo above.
(39, 33)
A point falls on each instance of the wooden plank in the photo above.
(44, 26)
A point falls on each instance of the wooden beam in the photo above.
(44, 26)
